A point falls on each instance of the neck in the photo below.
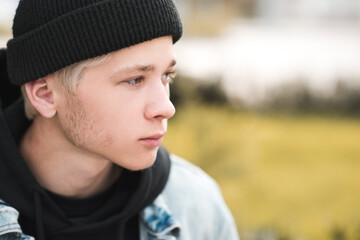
(61, 167)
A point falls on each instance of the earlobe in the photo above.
(41, 96)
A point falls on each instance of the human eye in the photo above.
(135, 81)
(168, 77)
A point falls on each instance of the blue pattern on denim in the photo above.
(159, 221)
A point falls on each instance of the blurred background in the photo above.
(268, 103)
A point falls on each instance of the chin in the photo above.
(140, 166)
(139, 162)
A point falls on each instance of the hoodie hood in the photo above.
(19, 188)
(8, 92)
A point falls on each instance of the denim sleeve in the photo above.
(9, 226)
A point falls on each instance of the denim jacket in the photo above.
(190, 208)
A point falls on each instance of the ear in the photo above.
(41, 95)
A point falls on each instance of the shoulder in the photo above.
(195, 199)
(8, 218)
(9, 226)
(183, 173)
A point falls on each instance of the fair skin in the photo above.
(117, 117)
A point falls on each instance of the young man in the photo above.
(86, 161)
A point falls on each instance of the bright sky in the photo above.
(7, 11)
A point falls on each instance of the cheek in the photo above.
(82, 126)
(118, 114)
(120, 118)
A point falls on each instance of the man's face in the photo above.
(121, 107)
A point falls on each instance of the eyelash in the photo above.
(135, 81)
(169, 77)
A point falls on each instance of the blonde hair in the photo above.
(69, 79)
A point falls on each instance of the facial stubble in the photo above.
(81, 127)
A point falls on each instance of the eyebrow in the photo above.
(139, 68)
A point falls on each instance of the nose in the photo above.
(159, 105)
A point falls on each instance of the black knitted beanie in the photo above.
(51, 34)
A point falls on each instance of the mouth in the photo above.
(152, 141)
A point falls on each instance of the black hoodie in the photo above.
(39, 213)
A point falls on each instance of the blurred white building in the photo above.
(315, 41)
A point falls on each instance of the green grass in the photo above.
(297, 175)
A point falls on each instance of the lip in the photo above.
(153, 140)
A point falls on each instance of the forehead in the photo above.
(155, 55)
